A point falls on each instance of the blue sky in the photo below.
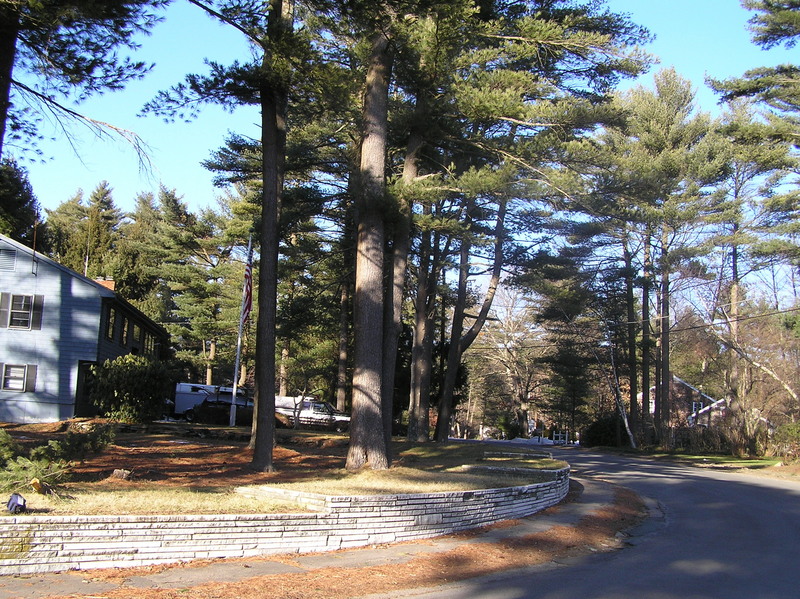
(697, 37)
(177, 46)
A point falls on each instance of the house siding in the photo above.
(70, 333)
(109, 349)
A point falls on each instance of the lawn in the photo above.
(185, 468)
(727, 462)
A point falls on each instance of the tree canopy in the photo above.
(52, 50)
(412, 160)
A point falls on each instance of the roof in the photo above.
(102, 290)
(693, 388)
(50, 262)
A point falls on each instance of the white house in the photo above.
(54, 325)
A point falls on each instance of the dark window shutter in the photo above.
(2, 375)
(36, 312)
(30, 378)
(5, 300)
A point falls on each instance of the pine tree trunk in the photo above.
(242, 382)
(345, 298)
(341, 370)
(455, 352)
(9, 32)
(212, 355)
(460, 343)
(283, 382)
(402, 240)
(646, 349)
(630, 304)
(367, 440)
(274, 103)
(422, 347)
(394, 305)
(734, 386)
(393, 323)
(666, 375)
(267, 291)
(736, 380)
(657, 368)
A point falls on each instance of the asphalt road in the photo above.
(714, 535)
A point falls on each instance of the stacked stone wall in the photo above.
(34, 544)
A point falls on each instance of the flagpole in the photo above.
(247, 302)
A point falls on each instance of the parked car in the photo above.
(190, 395)
(211, 404)
(309, 412)
(219, 412)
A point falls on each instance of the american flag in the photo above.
(247, 293)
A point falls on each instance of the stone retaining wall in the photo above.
(34, 544)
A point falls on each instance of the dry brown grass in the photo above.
(401, 479)
(85, 499)
(175, 472)
(182, 468)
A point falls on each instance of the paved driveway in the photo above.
(720, 536)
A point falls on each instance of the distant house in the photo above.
(692, 407)
(54, 325)
(689, 406)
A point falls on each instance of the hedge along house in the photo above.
(54, 325)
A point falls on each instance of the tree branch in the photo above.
(740, 351)
(218, 15)
(100, 128)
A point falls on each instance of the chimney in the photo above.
(107, 283)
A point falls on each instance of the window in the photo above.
(21, 311)
(111, 324)
(149, 344)
(124, 340)
(18, 377)
(696, 406)
(14, 377)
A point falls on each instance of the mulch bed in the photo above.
(191, 456)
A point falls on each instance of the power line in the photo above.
(595, 341)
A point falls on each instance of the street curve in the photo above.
(712, 535)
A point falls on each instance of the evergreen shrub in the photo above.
(786, 442)
(9, 449)
(606, 431)
(76, 444)
(132, 388)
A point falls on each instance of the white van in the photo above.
(309, 412)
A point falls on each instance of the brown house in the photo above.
(689, 406)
